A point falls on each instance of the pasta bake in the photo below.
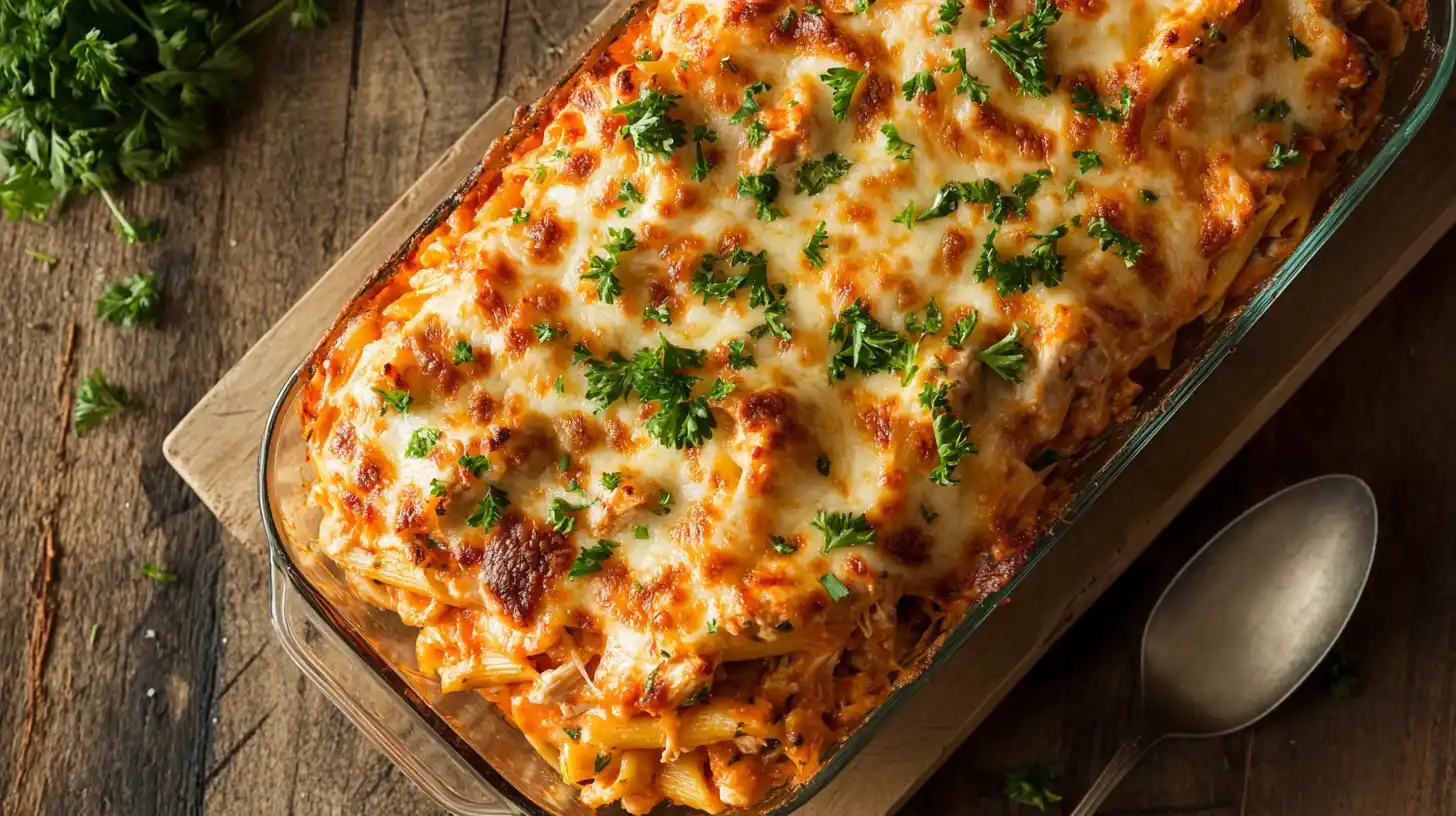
(701, 416)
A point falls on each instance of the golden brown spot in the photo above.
(619, 436)
(520, 563)
(482, 408)
(343, 442)
(367, 476)
(576, 432)
(578, 166)
(909, 546)
(518, 339)
(874, 98)
(878, 421)
(547, 236)
(954, 246)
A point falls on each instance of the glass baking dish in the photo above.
(464, 754)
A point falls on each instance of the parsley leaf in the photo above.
(952, 443)
(156, 573)
(604, 267)
(131, 300)
(1006, 357)
(815, 175)
(1086, 102)
(96, 401)
(520, 215)
(835, 587)
(906, 216)
(899, 148)
(461, 352)
(650, 127)
(545, 332)
(1032, 786)
(628, 193)
(750, 105)
(737, 359)
(588, 561)
(421, 442)
(757, 132)
(610, 481)
(394, 398)
(1298, 49)
(841, 81)
(437, 488)
(1087, 160)
(814, 250)
(946, 200)
(922, 82)
(1148, 196)
(1275, 111)
(970, 83)
(1122, 245)
(474, 464)
(950, 15)
(560, 517)
(781, 545)
(762, 189)
(1023, 48)
(701, 165)
(492, 507)
(865, 345)
(962, 330)
(821, 464)
(932, 322)
(843, 529)
(1283, 157)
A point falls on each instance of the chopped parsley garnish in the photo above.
(1086, 102)
(43, 257)
(899, 148)
(756, 133)
(462, 352)
(646, 56)
(906, 216)
(604, 267)
(651, 128)
(781, 545)
(437, 488)
(750, 105)
(1148, 196)
(712, 626)
(393, 398)
(628, 193)
(492, 506)
(681, 420)
(701, 165)
(841, 81)
(814, 250)
(560, 385)
(737, 359)
(1298, 49)
(1122, 245)
(640, 532)
(131, 300)
(1344, 676)
(922, 82)
(421, 442)
(560, 517)
(962, 329)
(762, 189)
(1017, 273)
(865, 345)
(952, 436)
(788, 626)
(611, 481)
(821, 464)
(1215, 34)
(1275, 111)
(588, 561)
(720, 390)
(545, 332)
(664, 504)
(946, 200)
(754, 278)
(475, 465)
(1045, 459)
(156, 573)
(843, 529)
(1087, 160)
(1032, 786)
(1006, 357)
(520, 215)
(835, 587)
(861, 6)
(601, 762)
(970, 83)
(1283, 157)
(573, 733)
(815, 175)
(950, 15)
(930, 325)
(1023, 48)
(660, 313)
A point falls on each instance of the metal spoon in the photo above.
(1249, 617)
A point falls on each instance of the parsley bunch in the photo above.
(865, 345)
(1024, 46)
(96, 91)
(657, 375)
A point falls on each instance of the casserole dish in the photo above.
(474, 736)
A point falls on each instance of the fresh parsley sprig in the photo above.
(970, 83)
(1006, 357)
(603, 268)
(762, 189)
(841, 82)
(130, 301)
(650, 124)
(815, 175)
(866, 346)
(1023, 48)
(843, 529)
(1086, 102)
(96, 401)
(1128, 249)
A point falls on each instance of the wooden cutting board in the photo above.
(214, 447)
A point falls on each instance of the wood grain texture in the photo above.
(341, 122)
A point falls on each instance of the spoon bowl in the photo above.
(1253, 613)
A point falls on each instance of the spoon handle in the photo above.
(1127, 756)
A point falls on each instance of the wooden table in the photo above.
(184, 702)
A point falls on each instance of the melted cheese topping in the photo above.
(715, 600)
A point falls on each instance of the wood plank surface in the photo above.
(185, 702)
